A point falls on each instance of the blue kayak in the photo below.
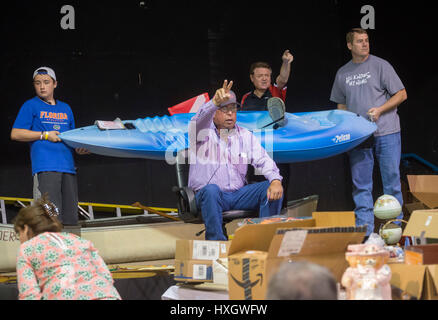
(305, 136)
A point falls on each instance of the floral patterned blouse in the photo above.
(62, 266)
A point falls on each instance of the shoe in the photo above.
(277, 109)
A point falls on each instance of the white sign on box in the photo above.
(292, 243)
(199, 272)
(207, 250)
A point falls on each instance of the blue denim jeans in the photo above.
(387, 150)
(212, 202)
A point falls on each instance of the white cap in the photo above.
(45, 70)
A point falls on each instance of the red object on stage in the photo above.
(189, 106)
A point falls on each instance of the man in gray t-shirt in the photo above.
(369, 86)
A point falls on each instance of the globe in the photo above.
(387, 207)
(391, 234)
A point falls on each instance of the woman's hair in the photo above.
(40, 217)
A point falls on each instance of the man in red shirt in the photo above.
(256, 100)
(260, 75)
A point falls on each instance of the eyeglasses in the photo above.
(231, 107)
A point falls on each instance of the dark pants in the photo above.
(62, 190)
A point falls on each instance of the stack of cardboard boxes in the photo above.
(257, 250)
(417, 277)
(194, 259)
(324, 239)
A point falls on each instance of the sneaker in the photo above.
(277, 109)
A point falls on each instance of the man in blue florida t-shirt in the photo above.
(39, 122)
(369, 86)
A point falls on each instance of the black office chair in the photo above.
(187, 209)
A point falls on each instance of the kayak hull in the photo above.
(305, 136)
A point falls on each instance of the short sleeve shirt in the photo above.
(366, 85)
(37, 115)
(250, 102)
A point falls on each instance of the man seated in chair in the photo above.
(219, 154)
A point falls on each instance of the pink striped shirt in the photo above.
(224, 163)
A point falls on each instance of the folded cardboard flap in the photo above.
(420, 281)
(245, 239)
(257, 250)
(427, 198)
(259, 236)
(317, 241)
(220, 272)
(334, 218)
(323, 246)
(408, 278)
(433, 272)
(422, 221)
(425, 189)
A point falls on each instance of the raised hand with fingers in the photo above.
(287, 57)
(222, 94)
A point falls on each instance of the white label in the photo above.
(292, 243)
(220, 272)
(199, 272)
(205, 250)
(223, 248)
(109, 125)
(342, 138)
(428, 221)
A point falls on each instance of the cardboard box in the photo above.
(194, 259)
(300, 208)
(425, 189)
(193, 270)
(423, 224)
(419, 281)
(322, 240)
(201, 250)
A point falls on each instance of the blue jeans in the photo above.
(387, 150)
(212, 202)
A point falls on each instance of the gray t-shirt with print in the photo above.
(366, 85)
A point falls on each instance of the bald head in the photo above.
(302, 281)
